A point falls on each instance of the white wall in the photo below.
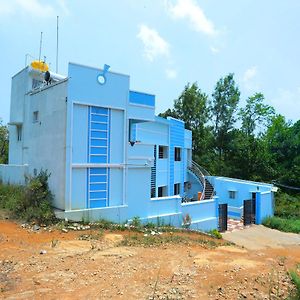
(42, 145)
(13, 174)
(44, 141)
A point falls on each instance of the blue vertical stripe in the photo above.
(98, 145)
(176, 140)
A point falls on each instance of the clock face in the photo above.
(101, 79)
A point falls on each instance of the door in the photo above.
(223, 210)
(249, 210)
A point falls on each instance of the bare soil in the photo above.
(58, 265)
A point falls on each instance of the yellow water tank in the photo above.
(39, 65)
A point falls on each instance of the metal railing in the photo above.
(200, 173)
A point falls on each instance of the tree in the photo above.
(225, 99)
(255, 114)
(283, 141)
(3, 143)
(250, 156)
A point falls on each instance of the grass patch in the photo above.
(10, 195)
(142, 240)
(295, 277)
(286, 225)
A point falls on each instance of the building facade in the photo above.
(109, 155)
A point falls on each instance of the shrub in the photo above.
(32, 202)
(9, 195)
(136, 222)
(187, 221)
(287, 225)
(287, 206)
(215, 233)
(296, 280)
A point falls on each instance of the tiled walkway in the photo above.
(233, 225)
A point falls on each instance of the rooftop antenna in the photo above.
(41, 46)
(57, 44)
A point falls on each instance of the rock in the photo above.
(35, 227)
(64, 230)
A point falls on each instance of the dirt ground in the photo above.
(58, 265)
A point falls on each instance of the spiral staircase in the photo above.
(201, 174)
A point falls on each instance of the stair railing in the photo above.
(200, 173)
(194, 168)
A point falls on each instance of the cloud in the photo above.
(33, 8)
(171, 73)
(154, 44)
(214, 50)
(189, 10)
(5, 7)
(62, 4)
(249, 78)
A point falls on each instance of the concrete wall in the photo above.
(13, 174)
(44, 140)
(195, 186)
(42, 144)
(264, 206)
(204, 214)
(86, 96)
(243, 189)
(20, 85)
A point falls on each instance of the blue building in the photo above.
(109, 155)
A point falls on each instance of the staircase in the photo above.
(209, 190)
(201, 173)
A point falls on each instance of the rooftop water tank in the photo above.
(39, 65)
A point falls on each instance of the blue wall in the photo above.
(106, 176)
(176, 140)
(243, 190)
(141, 98)
(95, 138)
(84, 87)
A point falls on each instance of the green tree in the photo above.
(283, 141)
(3, 143)
(225, 99)
(249, 153)
(255, 114)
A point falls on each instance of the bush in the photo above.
(287, 225)
(186, 221)
(296, 280)
(287, 206)
(9, 195)
(32, 202)
(136, 223)
(215, 233)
